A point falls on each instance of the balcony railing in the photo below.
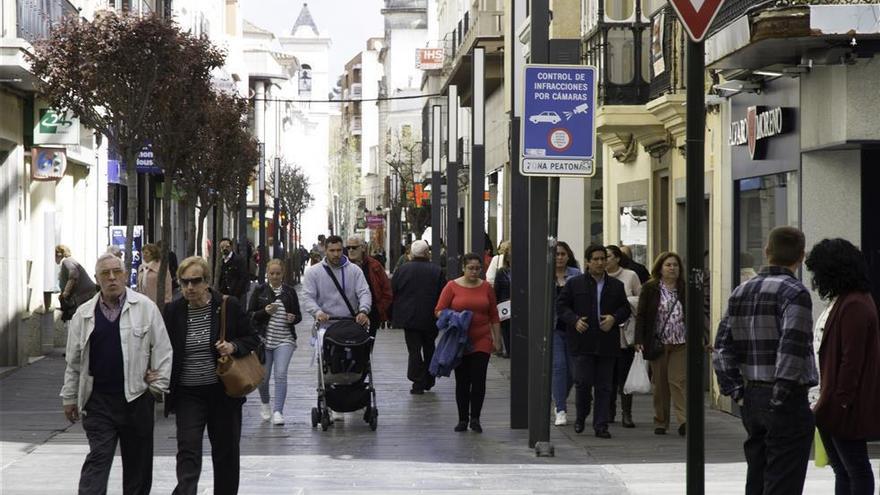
(34, 18)
(483, 21)
(356, 91)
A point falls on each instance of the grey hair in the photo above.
(107, 256)
(357, 238)
(114, 250)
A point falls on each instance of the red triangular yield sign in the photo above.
(696, 15)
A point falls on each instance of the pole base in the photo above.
(544, 449)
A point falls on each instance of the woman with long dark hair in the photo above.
(470, 292)
(566, 267)
(662, 336)
(848, 410)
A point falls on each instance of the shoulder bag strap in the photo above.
(669, 310)
(339, 288)
(223, 319)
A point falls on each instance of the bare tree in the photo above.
(403, 160)
(112, 72)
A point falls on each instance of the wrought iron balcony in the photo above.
(34, 18)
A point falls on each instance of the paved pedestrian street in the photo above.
(413, 451)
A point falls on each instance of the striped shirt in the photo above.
(199, 364)
(278, 330)
(766, 335)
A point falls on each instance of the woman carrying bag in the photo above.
(274, 310)
(197, 396)
(633, 287)
(661, 336)
(848, 410)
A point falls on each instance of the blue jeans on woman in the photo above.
(561, 379)
(852, 468)
(277, 360)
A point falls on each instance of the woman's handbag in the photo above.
(240, 375)
(637, 381)
(655, 350)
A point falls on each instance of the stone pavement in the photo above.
(414, 449)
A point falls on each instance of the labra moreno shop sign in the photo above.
(760, 123)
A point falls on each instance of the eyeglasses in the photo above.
(116, 272)
(191, 281)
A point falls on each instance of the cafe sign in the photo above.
(760, 123)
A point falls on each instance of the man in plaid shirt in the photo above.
(764, 361)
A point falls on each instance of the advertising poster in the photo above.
(118, 237)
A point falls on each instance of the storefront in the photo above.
(764, 141)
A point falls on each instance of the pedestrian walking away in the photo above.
(471, 293)
(592, 305)
(416, 287)
(848, 409)
(633, 288)
(374, 273)
(501, 283)
(764, 361)
(562, 381)
(118, 355)
(274, 311)
(148, 275)
(197, 397)
(75, 284)
(661, 337)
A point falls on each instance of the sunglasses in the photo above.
(191, 281)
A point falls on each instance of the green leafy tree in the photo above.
(112, 73)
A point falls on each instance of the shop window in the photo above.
(763, 203)
(619, 10)
(634, 230)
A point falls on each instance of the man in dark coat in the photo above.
(591, 306)
(234, 277)
(416, 287)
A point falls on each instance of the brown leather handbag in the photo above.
(240, 375)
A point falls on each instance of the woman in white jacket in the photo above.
(633, 287)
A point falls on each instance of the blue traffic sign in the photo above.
(559, 120)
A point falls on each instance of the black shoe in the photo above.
(475, 425)
(429, 383)
(417, 391)
(578, 426)
(682, 430)
(627, 421)
(461, 426)
(659, 431)
(603, 434)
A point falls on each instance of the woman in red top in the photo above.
(469, 292)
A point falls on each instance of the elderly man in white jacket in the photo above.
(118, 356)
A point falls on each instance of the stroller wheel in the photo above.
(325, 420)
(374, 419)
(368, 413)
(316, 417)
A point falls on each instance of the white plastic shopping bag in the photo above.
(637, 381)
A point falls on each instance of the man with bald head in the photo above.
(118, 356)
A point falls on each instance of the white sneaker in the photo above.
(561, 418)
(277, 418)
(265, 412)
(336, 416)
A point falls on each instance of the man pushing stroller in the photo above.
(336, 289)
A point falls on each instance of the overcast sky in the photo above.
(347, 22)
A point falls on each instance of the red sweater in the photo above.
(481, 301)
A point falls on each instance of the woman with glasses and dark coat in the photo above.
(848, 410)
(197, 396)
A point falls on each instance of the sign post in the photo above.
(696, 16)
(559, 124)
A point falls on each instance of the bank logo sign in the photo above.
(760, 123)
(55, 127)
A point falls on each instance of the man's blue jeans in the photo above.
(277, 361)
(561, 378)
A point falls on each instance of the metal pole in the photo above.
(478, 153)
(436, 179)
(453, 264)
(519, 253)
(262, 212)
(276, 210)
(696, 125)
(540, 324)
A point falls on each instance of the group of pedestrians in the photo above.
(123, 354)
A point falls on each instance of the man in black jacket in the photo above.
(416, 287)
(234, 278)
(591, 306)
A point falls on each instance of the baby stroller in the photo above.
(345, 375)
